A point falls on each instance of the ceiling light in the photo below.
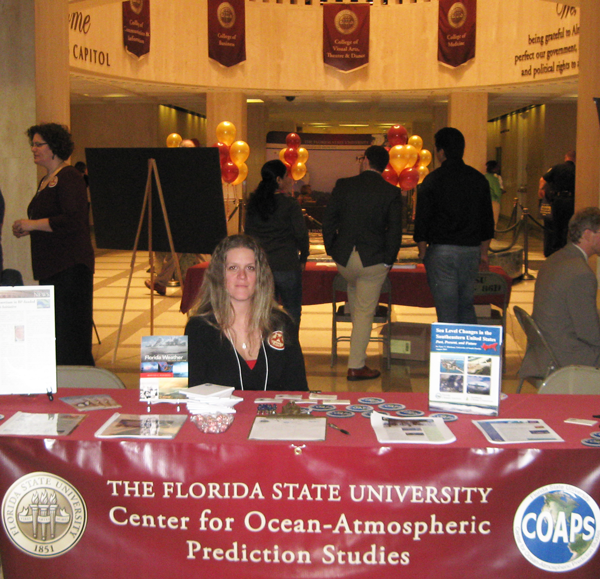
(253, 101)
(116, 95)
(353, 125)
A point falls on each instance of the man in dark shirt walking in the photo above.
(454, 225)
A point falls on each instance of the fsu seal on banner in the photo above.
(456, 35)
(136, 27)
(346, 36)
(227, 31)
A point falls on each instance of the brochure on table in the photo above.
(416, 430)
(142, 426)
(465, 368)
(163, 368)
(28, 353)
(517, 430)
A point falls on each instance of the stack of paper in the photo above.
(210, 399)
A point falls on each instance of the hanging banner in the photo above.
(136, 27)
(227, 31)
(456, 35)
(346, 36)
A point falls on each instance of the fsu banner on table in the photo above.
(136, 27)
(227, 31)
(457, 27)
(346, 36)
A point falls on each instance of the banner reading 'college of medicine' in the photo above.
(346, 36)
(227, 31)
(456, 35)
(136, 27)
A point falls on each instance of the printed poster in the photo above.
(163, 368)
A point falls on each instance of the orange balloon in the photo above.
(298, 171)
(243, 173)
(302, 155)
(423, 172)
(239, 152)
(226, 132)
(416, 142)
(397, 158)
(173, 140)
(411, 154)
(282, 156)
(425, 157)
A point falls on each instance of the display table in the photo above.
(409, 286)
(220, 505)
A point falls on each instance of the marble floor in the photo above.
(110, 285)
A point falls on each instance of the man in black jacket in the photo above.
(362, 231)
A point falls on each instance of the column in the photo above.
(227, 107)
(468, 113)
(587, 185)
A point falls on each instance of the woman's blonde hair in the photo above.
(214, 299)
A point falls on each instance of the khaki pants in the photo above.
(364, 288)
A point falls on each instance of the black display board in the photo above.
(191, 183)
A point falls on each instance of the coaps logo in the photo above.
(43, 514)
(557, 527)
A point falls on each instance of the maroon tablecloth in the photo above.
(347, 507)
(409, 286)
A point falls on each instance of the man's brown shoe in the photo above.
(363, 373)
(158, 288)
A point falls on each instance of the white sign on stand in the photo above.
(27, 340)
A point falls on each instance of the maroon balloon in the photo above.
(408, 178)
(390, 175)
(292, 140)
(397, 135)
(223, 152)
(290, 156)
(229, 171)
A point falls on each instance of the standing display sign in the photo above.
(456, 34)
(28, 353)
(465, 367)
(136, 27)
(346, 36)
(227, 31)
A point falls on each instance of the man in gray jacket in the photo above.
(564, 303)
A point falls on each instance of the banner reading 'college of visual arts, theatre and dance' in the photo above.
(346, 36)
(456, 34)
(136, 27)
(227, 31)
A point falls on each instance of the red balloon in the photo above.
(290, 156)
(292, 140)
(397, 135)
(390, 175)
(229, 171)
(409, 178)
(223, 152)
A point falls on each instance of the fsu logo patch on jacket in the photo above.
(276, 340)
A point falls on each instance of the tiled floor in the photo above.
(110, 284)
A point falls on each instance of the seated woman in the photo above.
(237, 335)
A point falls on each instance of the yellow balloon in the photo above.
(282, 155)
(423, 172)
(397, 158)
(242, 175)
(425, 157)
(173, 140)
(226, 133)
(298, 171)
(239, 152)
(302, 155)
(411, 154)
(416, 142)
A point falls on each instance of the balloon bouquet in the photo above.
(408, 160)
(233, 154)
(294, 157)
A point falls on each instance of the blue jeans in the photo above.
(288, 290)
(451, 274)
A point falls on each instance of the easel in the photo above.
(152, 170)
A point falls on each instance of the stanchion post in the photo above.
(525, 218)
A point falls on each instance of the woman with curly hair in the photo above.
(61, 249)
(275, 219)
(237, 335)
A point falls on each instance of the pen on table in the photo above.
(337, 428)
(596, 416)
